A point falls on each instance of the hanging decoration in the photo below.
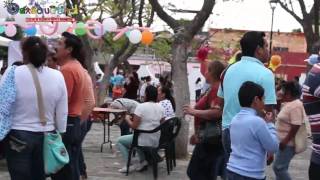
(2, 29)
(109, 25)
(11, 30)
(50, 26)
(275, 62)
(80, 29)
(147, 37)
(30, 31)
(135, 36)
(203, 53)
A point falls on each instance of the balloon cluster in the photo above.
(93, 28)
(275, 62)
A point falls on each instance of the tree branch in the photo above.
(140, 12)
(201, 17)
(303, 8)
(150, 20)
(163, 15)
(291, 12)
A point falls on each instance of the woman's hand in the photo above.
(187, 109)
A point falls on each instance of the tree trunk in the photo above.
(311, 39)
(181, 89)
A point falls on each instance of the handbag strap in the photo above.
(39, 94)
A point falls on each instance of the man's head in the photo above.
(148, 79)
(70, 46)
(254, 44)
(251, 95)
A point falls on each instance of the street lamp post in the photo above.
(273, 4)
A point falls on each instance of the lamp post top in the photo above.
(273, 4)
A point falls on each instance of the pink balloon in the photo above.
(92, 25)
(53, 28)
(11, 30)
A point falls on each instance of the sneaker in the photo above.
(124, 169)
(141, 166)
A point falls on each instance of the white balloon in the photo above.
(109, 25)
(135, 36)
(98, 31)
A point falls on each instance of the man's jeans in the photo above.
(85, 128)
(72, 141)
(234, 176)
(226, 142)
(24, 153)
(282, 161)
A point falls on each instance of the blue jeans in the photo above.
(282, 161)
(72, 141)
(24, 153)
(124, 143)
(234, 176)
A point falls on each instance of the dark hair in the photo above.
(292, 87)
(151, 93)
(135, 75)
(198, 80)
(168, 95)
(34, 50)
(148, 78)
(250, 41)
(17, 63)
(238, 56)
(76, 44)
(297, 78)
(248, 91)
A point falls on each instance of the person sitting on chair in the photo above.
(147, 116)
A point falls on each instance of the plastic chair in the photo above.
(169, 130)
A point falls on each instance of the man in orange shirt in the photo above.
(71, 59)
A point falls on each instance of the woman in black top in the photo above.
(132, 87)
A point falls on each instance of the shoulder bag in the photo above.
(210, 131)
(55, 155)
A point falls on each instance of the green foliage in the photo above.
(162, 48)
(184, 22)
(297, 30)
(111, 46)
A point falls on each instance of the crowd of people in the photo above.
(243, 121)
(258, 118)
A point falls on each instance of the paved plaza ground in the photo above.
(104, 166)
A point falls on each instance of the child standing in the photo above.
(251, 136)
